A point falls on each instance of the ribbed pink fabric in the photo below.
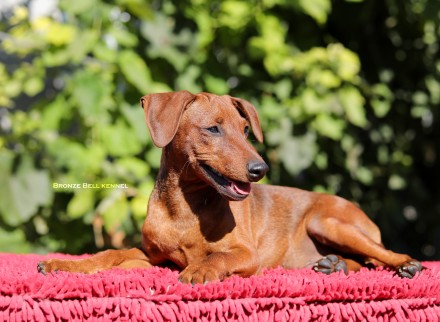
(156, 295)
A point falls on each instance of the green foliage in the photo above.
(347, 92)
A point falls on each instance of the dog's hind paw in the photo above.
(330, 264)
(409, 269)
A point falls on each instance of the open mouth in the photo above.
(235, 190)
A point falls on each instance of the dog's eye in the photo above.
(246, 131)
(214, 129)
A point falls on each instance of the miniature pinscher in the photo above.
(207, 216)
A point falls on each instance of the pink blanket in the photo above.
(156, 295)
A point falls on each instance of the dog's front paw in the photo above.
(46, 267)
(54, 265)
(409, 269)
(330, 264)
(200, 274)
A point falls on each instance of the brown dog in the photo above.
(205, 216)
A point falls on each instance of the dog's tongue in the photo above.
(241, 188)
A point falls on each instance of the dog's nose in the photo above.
(256, 170)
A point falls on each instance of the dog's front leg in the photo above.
(112, 258)
(218, 265)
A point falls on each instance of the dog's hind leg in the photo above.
(349, 239)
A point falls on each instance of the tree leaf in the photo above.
(119, 139)
(13, 241)
(317, 9)
(235, 14)
(114, 210)
(89, 92)
(82, 202)
(83, 43)
(29, 183)
(54, 112)
(135, 70)
(135, 117)
(134, 166)
(139, 203)
(298, 153)
(33, 85)
(329, 126)
(216, 85)
(353, 103)
(78, 6)
(188, 79)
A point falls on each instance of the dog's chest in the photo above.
(167, 238)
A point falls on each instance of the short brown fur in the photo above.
(212, 226)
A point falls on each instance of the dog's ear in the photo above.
(163, 112)
(251, 114)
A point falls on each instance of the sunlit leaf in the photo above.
(124, 37)
(13, 241)
(133, 166)
(345, 62)
(79, 159)
(114, 210)
(297, 153)
(29, 182)
(78, 6)
(324, 78)
(53, 32)
(54, 112)
(283, 88)
(90, 92)
(381, 102)
(83, 43)
(353, 103)
(235, 14)
(216, 85)
(135, 70)
(364, 175)
(81, 203)
(140, 8)
(33, 86)
(188, 79)
(138, 204)
(312, 103)
(380, 107)
(396, 182)
(329, 126)
(317, 9)
(153, 157)
(135, 117)
(119, 139)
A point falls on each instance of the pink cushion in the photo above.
(155, 294)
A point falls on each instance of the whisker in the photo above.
(187, 163)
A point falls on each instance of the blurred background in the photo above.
(348, 93)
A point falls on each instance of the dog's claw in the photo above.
(409, 269)
(325, 263)
(330, 264)
(41, 268)
(341, 266)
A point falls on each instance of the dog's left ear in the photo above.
(163, 112)
(251, 114)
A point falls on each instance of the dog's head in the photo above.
(208, 134)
